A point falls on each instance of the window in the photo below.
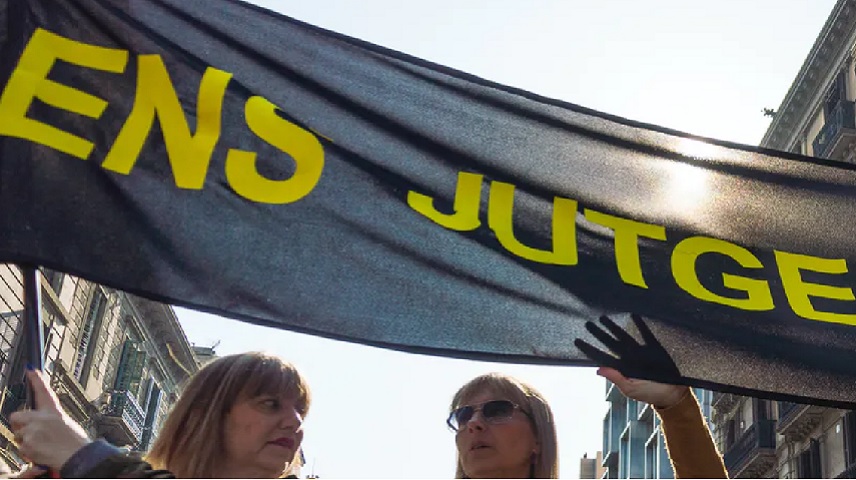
(53, 278)
(131, 365)
(763, 409)
(730, 433)
(835, 94)
(89, 335)
(850, 439)
(152, 409)
(650, 456)
(808, 463)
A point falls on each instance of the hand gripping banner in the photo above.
(219, 156)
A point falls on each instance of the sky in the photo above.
(705, 68)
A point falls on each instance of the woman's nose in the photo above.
(475, 422)
(291, 419)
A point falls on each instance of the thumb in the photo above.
(612, 375)
(44, 396)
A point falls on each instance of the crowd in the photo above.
(241, 416)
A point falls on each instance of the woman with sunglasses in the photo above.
(505, 429)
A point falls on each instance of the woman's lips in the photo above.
(284, 442)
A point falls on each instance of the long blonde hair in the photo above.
(190, 444)
(546, 463)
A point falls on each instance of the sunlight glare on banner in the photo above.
(687, 185)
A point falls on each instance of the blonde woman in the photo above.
(240, 416)
(505, 429)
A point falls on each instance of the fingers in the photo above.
(604, 338)
(45, 397)
(597, 356)
(21, 418)
(646, 333)
(620, 333)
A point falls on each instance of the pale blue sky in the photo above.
(703, 67)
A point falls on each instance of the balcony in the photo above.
(122, 421)
(13, 400)
(796, 421)
(723, 402)
(613, 394)
(837, 133)
(646, 412)
(754, 453)
(70, 393)
(610, 465)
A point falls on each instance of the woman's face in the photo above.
(501, 448)
(262, 435)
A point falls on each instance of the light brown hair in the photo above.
(190, 444)
(546, 462)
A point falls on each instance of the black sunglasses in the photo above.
(493, 412)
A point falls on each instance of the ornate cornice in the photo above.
(831, 49)
(161, 330)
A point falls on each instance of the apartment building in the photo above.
(115, 360)
(592, 467)
(633, 442)
(768, 439)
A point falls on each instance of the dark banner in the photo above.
(219, 156)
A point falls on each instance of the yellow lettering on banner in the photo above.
(799, 291)
(29, 81)
(467, 201)
(302, 145)
(499, 217)
(627, 233)
(189, 155)
(684, 270)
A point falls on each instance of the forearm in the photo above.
(688, 440)
(102, 460)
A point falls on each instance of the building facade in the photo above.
(592, 467)
(633, 442)
(116, 361)
(767, 439)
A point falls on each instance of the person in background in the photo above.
(505, 429)
(240, 416)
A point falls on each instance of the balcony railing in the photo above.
(645, 411)
(124, 406)
(840, 122)
(12, 402)
(759, 440)
(788, 410)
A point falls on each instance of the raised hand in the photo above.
(632, 359)
(46, 436)
(661, 395)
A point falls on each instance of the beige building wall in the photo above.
(813, 129)
(116, 361)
